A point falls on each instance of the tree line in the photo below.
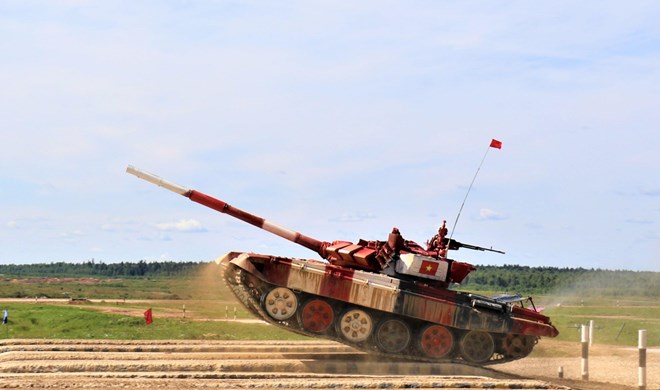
(100, 269)
(504, 278)
(552, 280)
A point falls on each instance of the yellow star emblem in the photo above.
(429, 268)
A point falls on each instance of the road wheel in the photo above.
(355, 325)
(517, 346)
(477, 346)
(436, 341)
(392, 335)
(280, 303)
(316, 315)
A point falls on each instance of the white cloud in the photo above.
(353, 217)
(120, 225)
(182, 225)
(490, 215)
(650, 191)
(72, 236)
(643, 221)
(29, 223)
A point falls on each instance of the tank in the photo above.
(392, 297)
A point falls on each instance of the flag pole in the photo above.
(493, 144)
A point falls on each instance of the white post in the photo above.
(641, 382)
(560, 372)
(585, 353)
(591, 332)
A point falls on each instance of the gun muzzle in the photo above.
(157, 180)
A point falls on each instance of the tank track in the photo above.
(251, 291)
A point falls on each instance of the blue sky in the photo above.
(337, 119)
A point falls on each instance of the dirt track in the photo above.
(190, 364)
(203, 364)
(607, 364)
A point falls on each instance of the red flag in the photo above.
(496, 144)
(148, 318)
(428, 267)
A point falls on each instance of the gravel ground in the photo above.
(295, 365)
(607, 364)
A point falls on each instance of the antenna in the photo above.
(493, 144)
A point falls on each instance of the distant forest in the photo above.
(505, 278)
(551, 280)
(140, 269)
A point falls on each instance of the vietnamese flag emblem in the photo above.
(428, 267)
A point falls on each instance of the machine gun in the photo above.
(455, 245)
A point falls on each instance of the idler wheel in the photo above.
(280, 303)
(392, 335)
(355, 325)
(477, 346)
(517, 346)
(436, 341)
(316, 315)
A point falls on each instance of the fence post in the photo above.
(585, 353)
(591, 332)
(641, 382)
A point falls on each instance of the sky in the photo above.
(338, 119)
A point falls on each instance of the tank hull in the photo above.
(378, 313)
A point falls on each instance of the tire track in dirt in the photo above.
(228, 364)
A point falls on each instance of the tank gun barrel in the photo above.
(223, 207)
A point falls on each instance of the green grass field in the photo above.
(207, 283)
(617, 321)
(41, 321)
(614, 325)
